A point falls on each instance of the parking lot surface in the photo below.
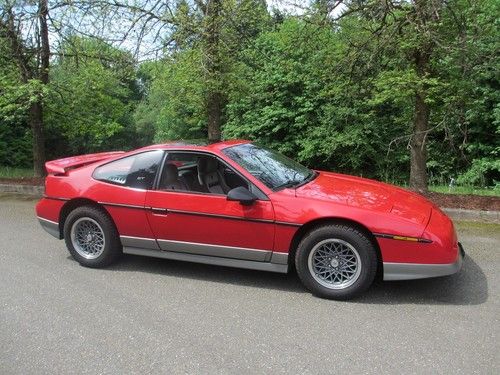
(147, 315)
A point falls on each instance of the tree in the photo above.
(295, 93)
(426, 16)
(31, 54)
(218, 29)
(189, 95)
(415, 27)
(211, 36)
(15, 132)
(174, 105)
(93, 92)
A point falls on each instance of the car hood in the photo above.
(367, 194)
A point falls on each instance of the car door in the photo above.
(190, 220)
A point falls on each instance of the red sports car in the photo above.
(238, 204)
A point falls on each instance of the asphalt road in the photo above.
(147, 315)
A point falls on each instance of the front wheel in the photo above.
(336, 261)
(91, 237)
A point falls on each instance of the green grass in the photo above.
(9, 172)
(465, 190)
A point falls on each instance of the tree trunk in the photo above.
(213, 64)
(418, 170)
(418, 145)
(36, 122)
(214, 105)
(44, 42)
(36, 108)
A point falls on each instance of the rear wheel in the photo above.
(336, 261)
(91, 237)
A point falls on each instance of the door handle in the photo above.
(159, 211)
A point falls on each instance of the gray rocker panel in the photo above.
(218, 261)
(146, 243)
(215, 250)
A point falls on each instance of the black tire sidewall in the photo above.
(354, 237)
(112, 247)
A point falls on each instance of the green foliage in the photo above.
(12, 172)
(91, 99)
(15, 134)
(482, 172)
(178, 85)
(174, 107)
(304, 90)
(295, 93)
(15, 144)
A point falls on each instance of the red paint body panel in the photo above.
(230, 230)
(442, 250)
(283, 237)
(129, 221)
(368, 195)
(379, 207)
(49, 209)
(79, 184)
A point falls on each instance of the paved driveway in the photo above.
(157, 316)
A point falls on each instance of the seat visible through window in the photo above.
(199, 173)
(170, 179)
(210, 176)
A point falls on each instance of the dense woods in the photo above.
(403, 91)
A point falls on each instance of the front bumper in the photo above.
(411, 271)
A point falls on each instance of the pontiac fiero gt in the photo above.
(238, 204)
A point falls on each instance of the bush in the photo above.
(483, 172)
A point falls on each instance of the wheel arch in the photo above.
(307, 227)
(73, 204)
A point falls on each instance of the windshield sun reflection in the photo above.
(273, 169)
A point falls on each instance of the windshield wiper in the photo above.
(297, 183)
(287, 184)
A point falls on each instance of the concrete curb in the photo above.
(33, 190)
(461, 214)
(458, 214)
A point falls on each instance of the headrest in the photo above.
(170, 173)
(207, 165)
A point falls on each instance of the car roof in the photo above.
(196, 145)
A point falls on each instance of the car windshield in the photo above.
(275, 170)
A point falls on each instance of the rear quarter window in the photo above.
(135, 171)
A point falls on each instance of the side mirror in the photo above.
(241, 194)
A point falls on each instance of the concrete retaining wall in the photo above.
(473, 215)
(36, 191)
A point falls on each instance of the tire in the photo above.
(91, 237)
(336, 261)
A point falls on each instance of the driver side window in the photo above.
(198, 173)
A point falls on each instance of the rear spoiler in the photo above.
(61, 166)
